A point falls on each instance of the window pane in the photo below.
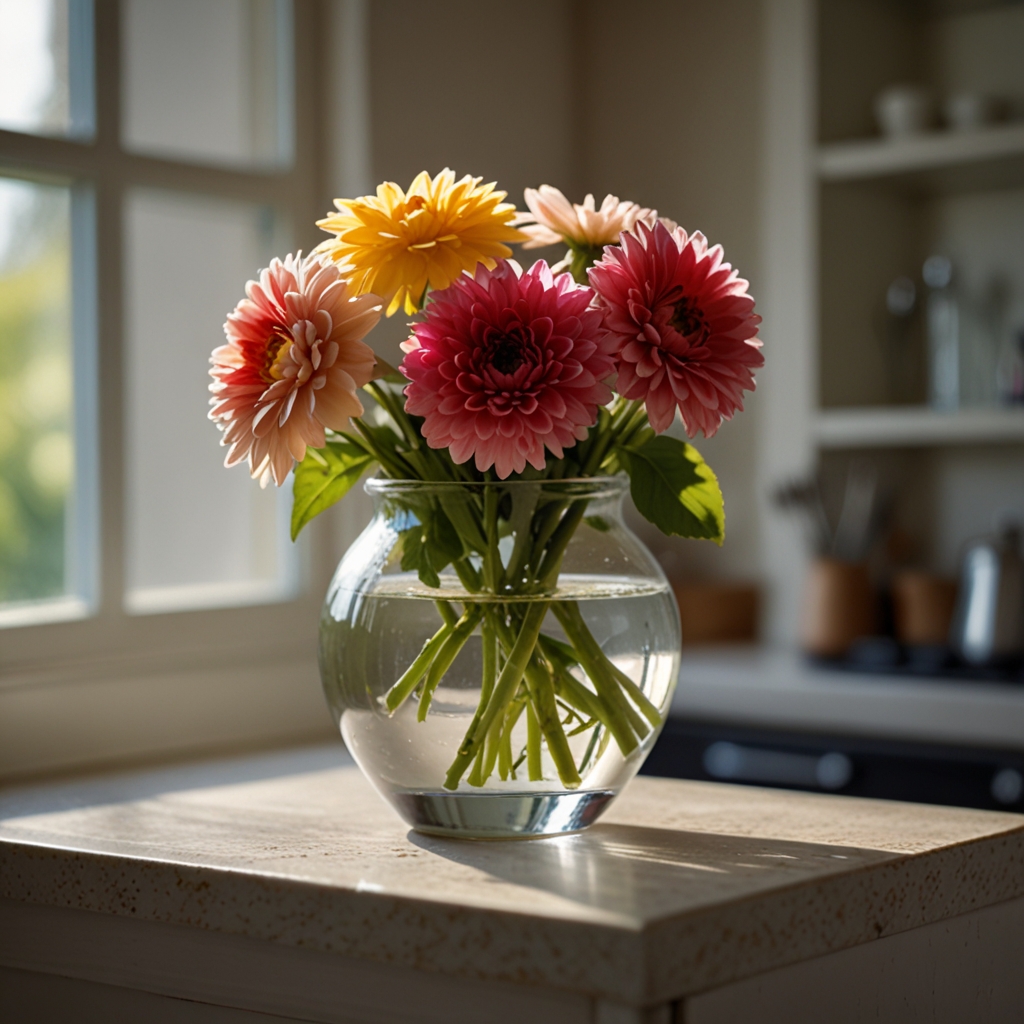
(36, 410)
(208, 80)
(46, 66)
(198, 534)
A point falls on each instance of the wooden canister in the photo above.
(839, 607)
(717, 613)
(922, 607)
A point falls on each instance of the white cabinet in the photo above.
(847, 213)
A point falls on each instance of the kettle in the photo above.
(988, 624)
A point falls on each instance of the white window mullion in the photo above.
(84, 529)
(109, 190)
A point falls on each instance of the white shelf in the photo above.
(913, 426)
(945, 159)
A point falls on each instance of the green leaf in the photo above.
(675, 489)
(598, 523)
(324, 477)
(415, 557)
(431, 546)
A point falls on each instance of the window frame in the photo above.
(46, 667)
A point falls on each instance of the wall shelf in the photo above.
(916, 426)
(942, 161)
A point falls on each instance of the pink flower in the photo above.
(552, 218)
(507, 363)
(292, 365)
(686, 327)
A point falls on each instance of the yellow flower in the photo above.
(395, 243)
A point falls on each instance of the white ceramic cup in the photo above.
(965, 111)
(903, 110)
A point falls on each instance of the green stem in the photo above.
(490, 659)
(448, 614)
(391, 459)
(490, 751)
(488, 676)
(446, 655)
(512, 716)
(542, 692)
(597, 667)
(649, 711)
(534, 765)
(468, 576)
(594, 705)
(562, 655)
(396, 696)
(600, 734)
(476, 775)
(396, 411)
(524, 505)
(492, 559)
(552, 562)
(504, 690)
(591, 704)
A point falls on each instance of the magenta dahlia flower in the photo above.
(506, 364)
(292, 365)
(684, 323)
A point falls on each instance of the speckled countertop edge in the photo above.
(664, 959)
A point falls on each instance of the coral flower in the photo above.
(552, 218)
(686, 327)
(507, 363)
(292, 365)
(398, 243)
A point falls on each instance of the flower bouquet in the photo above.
(496, 630)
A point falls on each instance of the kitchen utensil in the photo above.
(988, 625)
(804, 497)
(854, 533)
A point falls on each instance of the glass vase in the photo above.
(499, 657)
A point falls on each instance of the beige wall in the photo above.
(483, 88)
(672, 109)
(655, 100)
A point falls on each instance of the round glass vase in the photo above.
(499, 657)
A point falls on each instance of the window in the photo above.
(152, 157)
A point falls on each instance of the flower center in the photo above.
(506, 353)
(275, 355)
(689, 321)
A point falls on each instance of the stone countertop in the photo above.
(745, 685)
(682, 886)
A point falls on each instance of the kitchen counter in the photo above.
(282, 887)
(776, 689)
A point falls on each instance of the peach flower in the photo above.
(552, 219)
(292, 365)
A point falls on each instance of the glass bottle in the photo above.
(943, 326)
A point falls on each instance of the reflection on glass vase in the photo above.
(499, 657)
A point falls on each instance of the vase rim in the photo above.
(595, 485)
